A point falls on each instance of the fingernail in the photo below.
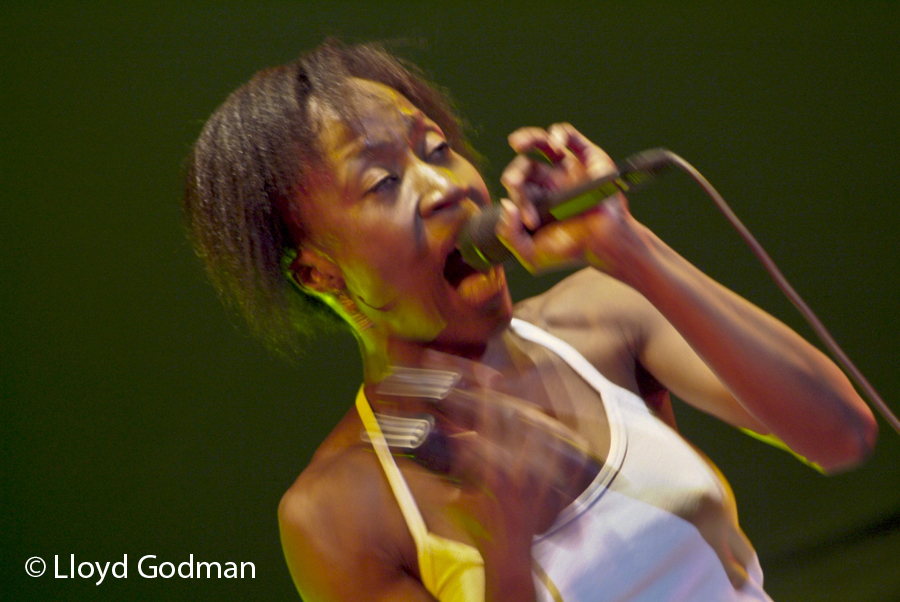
(534, 218)
(509, 208)
(513, 179)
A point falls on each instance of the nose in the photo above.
(440, 193)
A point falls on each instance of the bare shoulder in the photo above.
(587, 298)
(604, 319)
(589, 301)
(343, 535)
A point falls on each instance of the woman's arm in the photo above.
(708, 345)
(787, 386)
(342, 540)
(345, 539)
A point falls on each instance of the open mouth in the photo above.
(474, 287)
(456, 270)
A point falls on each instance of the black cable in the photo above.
(782, 283)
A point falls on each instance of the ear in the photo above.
(314, 272)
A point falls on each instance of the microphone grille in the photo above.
(477, 242)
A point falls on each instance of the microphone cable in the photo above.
(811, 318)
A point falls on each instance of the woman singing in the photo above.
(336, 188)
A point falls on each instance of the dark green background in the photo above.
(139, 418)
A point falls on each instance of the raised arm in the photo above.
(705, 343)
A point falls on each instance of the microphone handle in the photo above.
(479, 245)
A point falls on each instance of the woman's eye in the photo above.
(384, 183)
(439, 151)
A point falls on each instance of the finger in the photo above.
(520, 178)
(596, 162)
(512, 233)
(517, 172)
(524, 168)
(529, 139)
(556, 246)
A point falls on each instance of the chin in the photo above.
(477, 330)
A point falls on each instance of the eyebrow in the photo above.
(360, 151)
(364, 146)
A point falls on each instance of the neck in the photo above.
(380, 353)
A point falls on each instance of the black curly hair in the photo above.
(254, 159)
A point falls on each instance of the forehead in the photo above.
(377, 114)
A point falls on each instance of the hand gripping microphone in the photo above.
(479, 246)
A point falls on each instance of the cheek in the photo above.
(418, 323)
(381, 279)
(365, 281)
(395, 297)
(377, 255)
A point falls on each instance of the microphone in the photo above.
(479, 246)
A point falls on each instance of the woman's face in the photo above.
(391, 202)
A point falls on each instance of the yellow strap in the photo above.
(404, 496)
